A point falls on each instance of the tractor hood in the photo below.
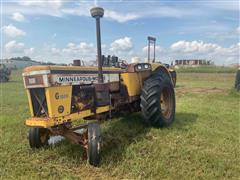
(46, 76)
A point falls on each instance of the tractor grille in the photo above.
(39, 102)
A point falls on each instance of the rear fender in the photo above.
(159, 67)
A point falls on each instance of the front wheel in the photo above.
(158, 100)
(38, 137)
(94, 144)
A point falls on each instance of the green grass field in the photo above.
(202, 143)
(207, 69)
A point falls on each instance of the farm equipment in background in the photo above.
(4, 73)
(60, 95)
(237, 80)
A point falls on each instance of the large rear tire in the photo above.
(94, 144)
(158, 100)
(38, 137)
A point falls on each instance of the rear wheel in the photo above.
(38, 137)
(158, 100)
(94, 144)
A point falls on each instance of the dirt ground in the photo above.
(199, 90)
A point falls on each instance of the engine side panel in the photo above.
(134, 81)
(59, 100)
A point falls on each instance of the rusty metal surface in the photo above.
(131, 67)
(34, 80)
(101, 86)
(133, 98)
(71, 135)
(114, 86)
(83, 97)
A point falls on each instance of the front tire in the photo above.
(158, 100)
(38, 137)
(94, 144)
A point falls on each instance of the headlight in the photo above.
(139, 67)
(146, 66)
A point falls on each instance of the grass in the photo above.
(207, 69)
(202, 143)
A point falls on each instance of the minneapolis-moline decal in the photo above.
(83, 78)
(71, 79)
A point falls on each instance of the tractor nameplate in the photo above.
(83, 78)
(76, 79)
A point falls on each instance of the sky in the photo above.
(62, 30)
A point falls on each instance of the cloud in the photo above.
(29, 51)
(55, 51)
(120, 17)
(14, 47)
(83, 9)
(18, 17)
(223, 5)
(122, 45)
(194, 46)
(124, 12)
(203, 50)
(36, 7)
(130, 13)
(56, 4)
(158, 49)
(231, 34)
(82, 48)
(120, 12)
(12, 31)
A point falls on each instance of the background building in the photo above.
(193, 62)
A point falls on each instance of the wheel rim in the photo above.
(166, 103)
(43, 135)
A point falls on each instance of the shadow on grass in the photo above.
(118, 134)
(184, 120)
(131, 129)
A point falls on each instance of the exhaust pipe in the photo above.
(151, 40)
(97, 13)
(76, 62)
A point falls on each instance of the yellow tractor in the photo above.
(60, 95)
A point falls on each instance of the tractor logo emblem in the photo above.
(61, 96)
